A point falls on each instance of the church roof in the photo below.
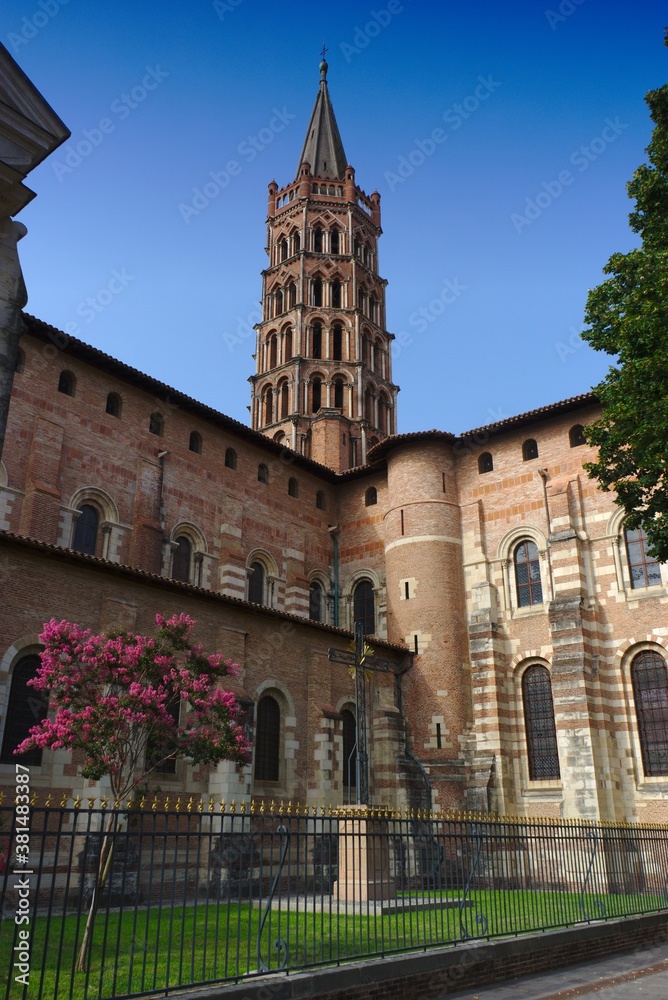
(323, 148)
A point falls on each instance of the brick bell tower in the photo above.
(323, 382)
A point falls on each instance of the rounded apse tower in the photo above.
(426, 603)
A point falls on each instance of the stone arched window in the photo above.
(337, 342)
(283, 403)
(349, 748)
(334, 241)
(25, 708)
(86, 528)
(317, 239)
(336, 294)
(371, 497)
(195, 442)
(262, 473)
(182, 559)
(364, 606)
(316, 394)
(485, 463)
(527, 574)
(257, 583)
(644, 570)
(267, 739)
(268, 404)
(338, 392)
(529, 450)
(541, 733)
(230, 458)
(316, 602)
(317, 292)
(272, 351)
(383, 412)
(287, 343)
(650, 693)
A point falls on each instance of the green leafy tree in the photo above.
(628, 318)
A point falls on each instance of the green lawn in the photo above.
(143, 951)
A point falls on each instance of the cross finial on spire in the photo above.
(325, 50)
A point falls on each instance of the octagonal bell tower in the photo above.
(323, 381)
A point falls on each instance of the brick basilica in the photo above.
(524, 625)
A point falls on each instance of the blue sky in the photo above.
(500, 136)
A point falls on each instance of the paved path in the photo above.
(639, 974)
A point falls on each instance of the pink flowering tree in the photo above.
(128, 703)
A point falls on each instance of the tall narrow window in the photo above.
(287, 344)
(334, 241)
(316, 602)
(364, 606)
(195, 442)
(336, 295)
(527, 575)
(337, 343)
(268, 405)
(317, 395)
(273, 352)
(267, 739)
(293, 487)
(650, 692)
(539, 722)
(182, 559)
(317, 292)
(338, 393)
(320, 500)
(349, 749)
(156, 424)
(283, 390)
(371, 497)
(317, 340)
(25, 708)
(256, 586)
(230, 458)
(66, 383)
(262, 473)
(317, 240)
(85, 530)
(644, 569)
(278, 302)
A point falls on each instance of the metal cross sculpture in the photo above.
(361, 660)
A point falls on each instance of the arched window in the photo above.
(283, 399)
(317, 292)
(113, 406)
(267, 739)
(273, 351)
(25, 708)
(283, 249)
(650, 693)
(336, 295)
(382, 413)
(279, 437)
(268, 404)
(373, 308)
(644, 569)
(316, 602)
(278, 302)
(338, 393)
(20, 361)
(262, 473)
(230, 458)
(85, 530)
(195, 442)
(527, 575)
(316, 390)
(320, 500)
(296, 243)
(256, 583)
(576, 436)
(349, 749)
(485, 463)
(334, 242)
(539, 722)
(371, 497)
(337, 343)
(67, 383)
(287, 344)
(317, 340)
(156, 424)
(182, 559)
(364, 606)
(361, 300)
(317, 240)
(529, 450)
(293, 487)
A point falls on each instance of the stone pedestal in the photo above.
(365, 859)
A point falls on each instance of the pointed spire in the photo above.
(323, 149)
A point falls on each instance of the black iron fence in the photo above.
(193, 892)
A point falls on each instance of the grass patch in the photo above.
(148, 950)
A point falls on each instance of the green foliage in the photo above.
(627, 317)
